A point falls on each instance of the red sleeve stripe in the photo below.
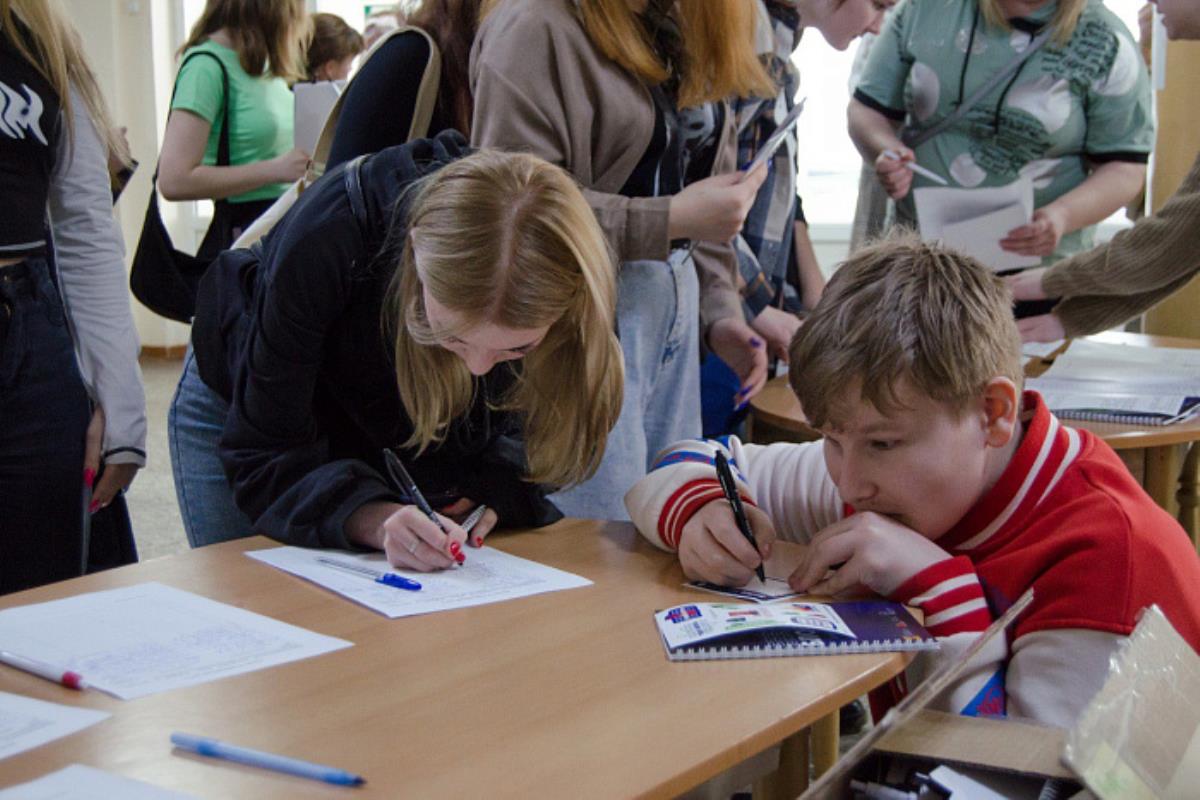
(945, 575)
(973, 622)
(682, 504)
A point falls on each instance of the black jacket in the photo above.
(290, 333)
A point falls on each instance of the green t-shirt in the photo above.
(261, 110)
(1086, 101)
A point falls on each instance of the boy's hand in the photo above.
(873, 550)
(711, 548)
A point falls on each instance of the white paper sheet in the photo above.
(26, 723)
(78, 782)
(975, 220)
(313, 102)
(148, 638)
(785, 557)
(488, 576)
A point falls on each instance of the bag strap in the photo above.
(354, 190)
(223, 141)
(991, 83)
(422, 113)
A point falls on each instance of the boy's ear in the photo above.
(1001, 407)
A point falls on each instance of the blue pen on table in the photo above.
(213, 748)
(725, 476)
(386, 578)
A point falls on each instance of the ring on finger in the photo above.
(412, 548)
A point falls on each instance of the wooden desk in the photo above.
(1165, 458)
(567, 694)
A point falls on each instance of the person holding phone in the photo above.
(456, 308)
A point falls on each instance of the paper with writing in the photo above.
(26, 723)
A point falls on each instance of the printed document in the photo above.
(26, 723)
(974, 221)
(149, 638)
(488, 576)
(78, 782)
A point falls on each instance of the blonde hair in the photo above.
(507, 239)
(903, 310)
(1066, 16)
(47, 40)
(266, 34)
(718, 43)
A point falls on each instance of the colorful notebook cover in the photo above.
(701, 631)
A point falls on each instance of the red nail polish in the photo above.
(89, 477)
(455, 550)
(479, 541)
(459, 557)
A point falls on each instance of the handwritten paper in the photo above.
(26, 723)
(975, 220)
(149, 638)
(785, 558)
(488, 576)
(78, 782)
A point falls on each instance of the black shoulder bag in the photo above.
(163, 278)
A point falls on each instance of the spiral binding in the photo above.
(728, 652)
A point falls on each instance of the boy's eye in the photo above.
(883, 444)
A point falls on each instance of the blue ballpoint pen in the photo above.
(202, 745)
(386, 578)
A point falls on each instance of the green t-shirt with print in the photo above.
(1068, 106)
(261, 111)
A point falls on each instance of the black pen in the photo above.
(407, 485)
(729, 486)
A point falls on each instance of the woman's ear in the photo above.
(1001, 408)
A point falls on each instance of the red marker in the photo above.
(68, 678)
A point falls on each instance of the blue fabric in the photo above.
(658, 323)
(44, 414)
(194, 424)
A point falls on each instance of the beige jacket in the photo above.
(1140, 267)
(540, 86)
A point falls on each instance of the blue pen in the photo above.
(213, 748)
(386, 578)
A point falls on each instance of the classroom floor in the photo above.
(157, 526)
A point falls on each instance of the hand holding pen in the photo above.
(729, 487)
(417, 537)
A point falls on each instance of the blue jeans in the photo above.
(194, 425)
(658, 320)
(44, 413)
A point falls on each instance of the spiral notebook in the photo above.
(705, 631)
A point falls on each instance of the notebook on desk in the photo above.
(703, 631)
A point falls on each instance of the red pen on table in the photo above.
(66, 677)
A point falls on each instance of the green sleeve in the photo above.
(199, 87)
(1120, 118)
(881, 84)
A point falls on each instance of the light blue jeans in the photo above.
(194, 425)
(658, 320)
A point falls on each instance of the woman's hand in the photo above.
(290, 166)
(892, 173)
(116, 477)
(1040, 236)
(462, 508)
(1042, 328)
(738, 346)
(411, 540)
(777, 327)
(711, 548)
(713, 209)
(1027, 285)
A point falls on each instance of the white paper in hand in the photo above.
(776, 139)
(974, 221)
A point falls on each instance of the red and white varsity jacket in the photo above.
(1066, 518)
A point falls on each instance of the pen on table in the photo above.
(472, 520)
(386, 578)
(725, 476)
(917, 169)
(408, 486)
(202, 745)
(61, 675)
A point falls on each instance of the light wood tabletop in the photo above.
(562, 694)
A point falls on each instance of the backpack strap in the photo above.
(354, 191)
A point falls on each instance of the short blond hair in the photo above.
(905, 311)
(508, 238)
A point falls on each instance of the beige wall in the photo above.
(128, 44)
(1175, 152)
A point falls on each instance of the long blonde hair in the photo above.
(718, 44)
(266, 34)
(507, 239)
(52, 46)
(1066, 16)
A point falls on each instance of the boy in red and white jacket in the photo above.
(939, 484)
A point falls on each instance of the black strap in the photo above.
(223, 141)
(354, 190)
(991, 83)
